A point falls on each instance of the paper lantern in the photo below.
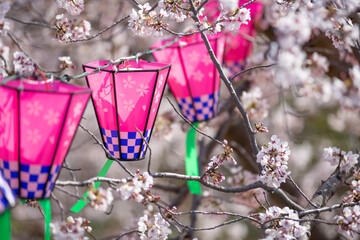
(38, 121)
(193, 80)
(125, 101)
(7, 197)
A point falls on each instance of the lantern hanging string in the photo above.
(191, 160)
(98, 69)
(45, 204)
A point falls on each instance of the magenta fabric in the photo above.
(127, 100)
(38, 121)
(193, 80)
(237, 47)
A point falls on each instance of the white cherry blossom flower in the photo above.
(74, 7)
(71, 229)
(273, 158)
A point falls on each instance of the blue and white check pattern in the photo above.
(204, 105)
(130, 144)
(111, 138)
(10, 171)
(234, 68)
(33, 179)
(51, 181)
(187, 108)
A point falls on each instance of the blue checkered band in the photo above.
(51, 181)
(33, 178)
(130, 144)
(10, 171)
(234, 68)
(187, 108)
(204, 105)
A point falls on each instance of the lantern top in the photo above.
(186, 40)
(132, 66)
(56, 86)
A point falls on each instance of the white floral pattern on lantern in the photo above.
(198, 76)
(143, 89)
(33, 136)
(77, 109)
(128, 83)
(71, 128)
(206, 60)
(34, 108)
(52, 117)
(194, 56)
(129, 105)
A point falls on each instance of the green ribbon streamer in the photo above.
(82, 202)
(191, 161)
(5, 225)
(46, 206)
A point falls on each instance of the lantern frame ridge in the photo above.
(113, 72)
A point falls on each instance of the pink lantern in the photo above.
(193, 80)
(38, 121)
(125, 101)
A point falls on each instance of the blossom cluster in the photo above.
(283, 222)
(349, 220)
(71, 229)
(153, 227)
(340, 158)
(216, 162)
(71, 29)
(100, 199)
(230, 19)
(23, 64)
(65, 62)
(138, 188)
(74, 7)
(273, 158)
(256, 106)
(145, 22)
(4, 51)
(354, 194)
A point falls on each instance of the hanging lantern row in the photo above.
(38, 120)
(126, 102)
(193, 80)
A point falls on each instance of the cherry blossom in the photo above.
(216, 162)
(145, 22)
(100, 199)
(66, 62)
(349, 220)
(22, 64)
(71, 29)
(273, 158)
(255, 105)
(74, 7)
(128, 83)
(138, 188)
(287, 228)
(71, 229)
(340, 158)
(154, 227)
(232, 20)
